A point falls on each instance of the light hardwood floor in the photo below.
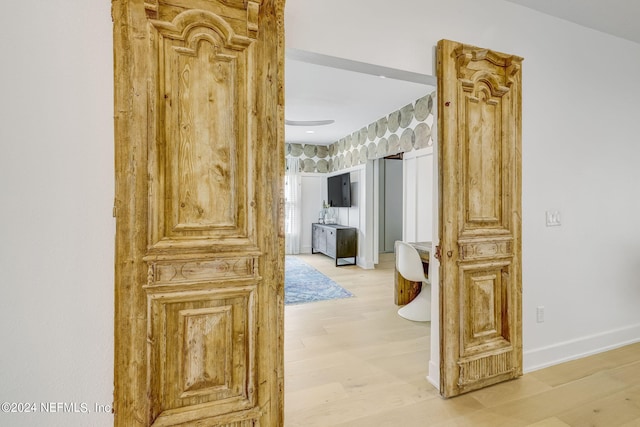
(355, 362)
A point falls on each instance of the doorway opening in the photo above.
(331, 345)
(391, 189)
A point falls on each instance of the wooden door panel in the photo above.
(480, 213)
(483, 184)
(202, 183)
(485, 303)
(484, 102)
(199, 234)
(201, 346)
(194, 270)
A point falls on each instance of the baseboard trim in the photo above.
(365, 264)
(434, 375)
(544, 357)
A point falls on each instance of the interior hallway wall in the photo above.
(56, 224)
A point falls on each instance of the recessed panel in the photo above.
(201, 184)
(483, 159)
(482, 297)
(202, 140)
(203, 166)
(205, 338)
(485, 310)
(202, 349)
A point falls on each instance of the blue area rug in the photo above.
(303, 283)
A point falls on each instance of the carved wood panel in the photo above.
(487, 370)
(477, 249)
(194, 270)
(200, 345)
(485, 307)
(202, 183)
(480, 193)
(485, 128)
(482, 160)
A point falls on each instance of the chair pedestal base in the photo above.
(418, 310)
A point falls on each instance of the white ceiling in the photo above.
(354, 99)
(319, 87)
(616, 17)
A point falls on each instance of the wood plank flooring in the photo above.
(355, 362)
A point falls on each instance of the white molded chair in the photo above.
(409, 265)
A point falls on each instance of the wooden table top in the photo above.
(423, 248)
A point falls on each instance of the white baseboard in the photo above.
(434, 375)
(365, 264)
(543, 357)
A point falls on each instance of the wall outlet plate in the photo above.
(553, 218)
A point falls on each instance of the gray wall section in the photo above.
(393, 203)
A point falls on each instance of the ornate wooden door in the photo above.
(479, 106)
(199, 175)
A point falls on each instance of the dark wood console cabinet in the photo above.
(336, 241)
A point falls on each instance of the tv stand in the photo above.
(335, 241)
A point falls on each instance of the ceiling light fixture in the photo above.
(308, 122)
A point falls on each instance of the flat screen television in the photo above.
(339, 190)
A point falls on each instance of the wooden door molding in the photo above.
(199, 226)
(479, 123)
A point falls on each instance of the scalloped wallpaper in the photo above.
(406, 129)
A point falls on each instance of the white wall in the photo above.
(418, 195)
(313, 187)
(579, 149)
(56, 225)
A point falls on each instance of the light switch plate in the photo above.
(553, 218)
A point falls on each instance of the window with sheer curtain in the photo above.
(292, 209)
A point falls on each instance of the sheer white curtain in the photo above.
(292, 210)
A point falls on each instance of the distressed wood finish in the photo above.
(199, 239)
(479, 96)
(404, 291)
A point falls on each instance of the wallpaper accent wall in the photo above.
(403, 130)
